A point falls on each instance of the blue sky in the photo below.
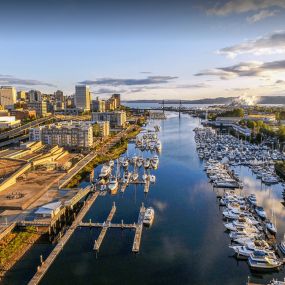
(145, 49)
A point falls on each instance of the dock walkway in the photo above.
(105, 227)
(139, 228)
(56, 251)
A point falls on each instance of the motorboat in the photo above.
(105, 171)
(281, 245)
(260, 212)
(152, 178)
(148, 216)
(146, 163)
(135, 176)
(144, 177)
(271, 227)
(126, 177)
(263, 261)
(252, 199)
(113, 184)
(125, 163)
(111, 163)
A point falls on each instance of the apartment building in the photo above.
(68, 134)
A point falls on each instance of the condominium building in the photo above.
(21, 95)
(117, 98)
(104, 128)
(82, 97)
(35, 96)
(39, 107)
(8, 95)
(116, 118)
(67, 134)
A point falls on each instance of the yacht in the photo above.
(244, 251)
(148, 217)
(125, 163)
(126, 178)
(113, 184)
(281, 245)
(271, 227)
(158, 145)
(146, 163)
(252, 199)
(260, 212)
(105, 171)
(135, 176)
(144, 177)
(262, 261)
(111, 163)
(152, 178)
(154, 162)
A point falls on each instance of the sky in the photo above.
(157, 49)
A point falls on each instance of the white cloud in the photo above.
(244, 6)
(261, 15)
(273, 43)
(246, 69)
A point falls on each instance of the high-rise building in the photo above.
(21, 95)
(59, 96)
(82, 97)
(35, 96)
(8, 95)
(117, 98)
(98, 105)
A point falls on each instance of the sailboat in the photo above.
(113, 182)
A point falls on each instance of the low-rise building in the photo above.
(7, 122)
(39, 107)
(22, 114)
(68, 134)
(117, 119)
(226, 121)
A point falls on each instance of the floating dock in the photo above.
(146, 185)
(105, 227)
(139, 228)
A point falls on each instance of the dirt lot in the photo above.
(8, 167)
(25, 192)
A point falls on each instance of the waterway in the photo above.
(186, 244)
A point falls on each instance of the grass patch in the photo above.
(14, 243)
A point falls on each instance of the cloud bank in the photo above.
(253, 68)
(243, 6)
(273, 43)
(129, 82)
(10, 80)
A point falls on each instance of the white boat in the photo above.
(282, 245)
(148, 217)
(263, 261)
(125, 163)
(260, 212)
(146, 163)
(126, 178)
(113, 184)
(158, 146)
(103, 187)
(105, 171)
(144, 177)
(135, 176)
(271, 227)
(111, 163)
(152, 178)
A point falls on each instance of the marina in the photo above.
(185, 211)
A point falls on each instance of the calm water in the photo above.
(186, 244)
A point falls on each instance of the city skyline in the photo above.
(162, 50)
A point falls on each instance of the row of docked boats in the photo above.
(260, 158)
(139, 161)
(221, 176)
(248, 228)
(247, 224)
(148, 141)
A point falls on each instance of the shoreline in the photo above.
(26, 244)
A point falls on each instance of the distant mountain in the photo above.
(218, 100)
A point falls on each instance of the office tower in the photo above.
(82, 97)
(8, 95)
(35, 96)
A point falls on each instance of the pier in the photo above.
(105, 227)
(45, 265)
(146, 185)
(138, 233)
